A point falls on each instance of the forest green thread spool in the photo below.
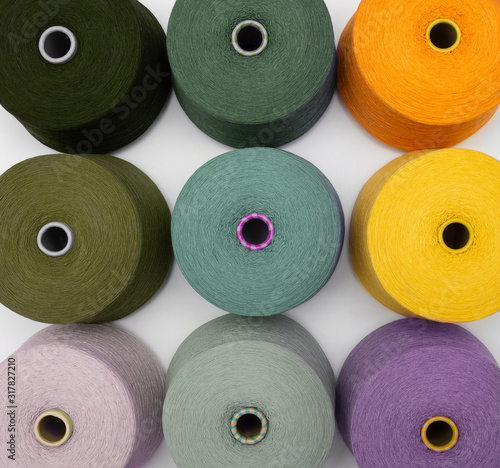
(258, 231)
(82, 76)
(86, 238)
(255, 73)
(269, 371)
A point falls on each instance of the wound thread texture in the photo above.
(424, 235)
(305, 212)
(408, 372)
(270, 364)
(264, 100)
(405, 91)
(105, 380)
(121, 225)
(107, 95)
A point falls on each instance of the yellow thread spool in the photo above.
(425, 235)
(439, 434)
(53, 428)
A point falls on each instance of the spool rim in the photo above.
(245, 220)
(66, 229)
(463, 222)
(439, 448)
(249, 440)
(453, 25)
(66, 57)
(59, 414)
(260, 28)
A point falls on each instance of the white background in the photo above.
(338, 317)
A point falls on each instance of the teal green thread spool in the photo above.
(291, 255)
(83, 76)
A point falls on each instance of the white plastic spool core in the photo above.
(55, 239)
(58, 45)
(249, 38)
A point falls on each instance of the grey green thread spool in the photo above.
(88, 238)
(269, 370)
(252, 74)
(89, 79)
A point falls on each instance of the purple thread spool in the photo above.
(420, 394)
(255, 231)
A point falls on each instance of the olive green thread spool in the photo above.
(88, 238)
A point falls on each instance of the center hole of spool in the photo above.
(53, 428)
(57, 45)
(255, 231)
(249, 426)
(456, 235)
(55, 239)
(444, 35)
(249, 38)
(439, 433)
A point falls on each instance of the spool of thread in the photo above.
(253, 73)
(250, 393)
(420, 394)
(420, 75)
(257, 231)
(86, 238)
(86, 396)
(424, 235)
(82, 77)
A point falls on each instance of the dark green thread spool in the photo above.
(82, 76)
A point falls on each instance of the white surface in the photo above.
(338, 317)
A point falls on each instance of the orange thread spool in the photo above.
(421, 75)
